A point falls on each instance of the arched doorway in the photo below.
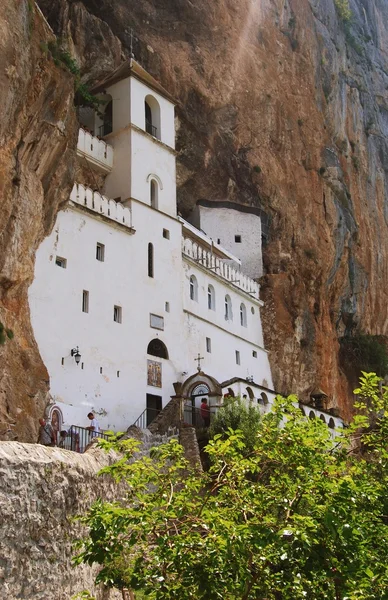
(56, 418)
(198, 393)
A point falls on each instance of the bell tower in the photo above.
(138, 121)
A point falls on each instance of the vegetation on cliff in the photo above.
(300, 516)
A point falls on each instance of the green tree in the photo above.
(235, 414)
(300, 516)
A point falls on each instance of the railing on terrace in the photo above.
(84, 196)
(146, 418)
(99, 153)
(207, 259)
(78, 439)
(105, 129)
(151, 129)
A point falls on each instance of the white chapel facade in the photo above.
(132, 290)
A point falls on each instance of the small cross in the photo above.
(199, 358)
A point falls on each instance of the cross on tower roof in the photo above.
(199, 358)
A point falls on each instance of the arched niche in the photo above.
(157, 348)
(311, 414)
(331, 423)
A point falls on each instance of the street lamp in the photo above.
(77, 356)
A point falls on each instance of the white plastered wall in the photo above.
(226, 336)
(122, 280)
(224, 223)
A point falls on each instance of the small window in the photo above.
(117, 314)
(208, 345)
(61, 262)
(254, 353)
(85, 301)
(150, 260)
(252, 310)
(101, 370)
(193, 288)
(211, 298)
(218, 241)
(237, 239)
(228, 309)
(166, 234)
(62, 361)
(238, 359)
(167, 306)
(117, 373)
(100, 252)
(243, 315)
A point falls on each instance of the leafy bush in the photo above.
(236, 415)
(4, 334)
(61, 56)
(343, 10)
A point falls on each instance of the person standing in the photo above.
(205, 412)
(94, 427)
(46, 434)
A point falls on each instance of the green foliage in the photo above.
(297, 517)
(62, 57)
(365, 353)
(343, 10)
(5, 333)
(235, 415)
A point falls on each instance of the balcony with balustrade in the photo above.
(101, 205)
(210, 258)
(97, 153)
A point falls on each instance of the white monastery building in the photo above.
(132, 291)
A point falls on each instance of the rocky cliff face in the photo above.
(282, 104)
(37, 142)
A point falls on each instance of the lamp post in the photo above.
(77, 356)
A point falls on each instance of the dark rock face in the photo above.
(283, 105)
(37, 142)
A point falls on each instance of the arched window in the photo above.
(211, 298)
(331, 424)
(150, 260)
(311, 414)
(157, 348)
(243, 315)
(152, 116)
(228, 309)
(107, 125)
(322, 417)
(264, 398)
(250, 393)
(193, 288)
(230, 393)
(154, 193)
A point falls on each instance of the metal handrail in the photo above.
(78, 438)
(105, 129)
(146, 417)
(151, 128)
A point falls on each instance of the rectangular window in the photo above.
(117, 314)
(100, 252)
(254, 353)
(166, 234)
(208, 345)
(167, 307)
(237, 239)
(85, 301)
(61, 262)
(238, 361)
(156, 322)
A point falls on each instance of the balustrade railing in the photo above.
(146, 418)
(207, 259)
(98, 152)
(95, 201)
(78, 439)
